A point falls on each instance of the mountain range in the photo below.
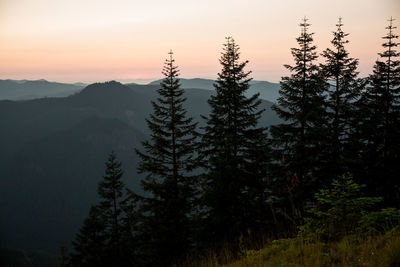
(26, 90)
(53, 151)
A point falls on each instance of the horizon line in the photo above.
(141, 81)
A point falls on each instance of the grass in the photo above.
(383, 250)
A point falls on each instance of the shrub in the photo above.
(339, 211)
(379, 222)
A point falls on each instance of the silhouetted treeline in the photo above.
(233, 180)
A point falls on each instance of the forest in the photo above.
(321, 188)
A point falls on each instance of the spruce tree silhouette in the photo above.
(236, 150)
(100, 242)
(169, 160)
(379, 123)
(340, 71)
(297, 143)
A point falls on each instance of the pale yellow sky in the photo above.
(98, 40)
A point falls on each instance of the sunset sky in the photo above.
(98, 40)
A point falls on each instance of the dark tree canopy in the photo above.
(101, 241)
(169, 161)
(233, 143)
(340, 71)
(111, 192)
(90, 242)
(300, 141)
(380, 123)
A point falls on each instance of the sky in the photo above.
(124, 40)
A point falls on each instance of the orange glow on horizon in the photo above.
(70, 41)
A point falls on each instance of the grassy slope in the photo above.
(381, 250)
(372, 251)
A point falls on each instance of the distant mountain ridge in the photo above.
(267, 90)
(33, 89)
(27, 89)
(53, 151)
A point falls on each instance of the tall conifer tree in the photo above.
(111, 192)
(169, 161)
(101, 239)
(299, 141)
(340, 71)
(90, 243)
(236, 149)
(380, 123)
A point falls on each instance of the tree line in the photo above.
(207, 187)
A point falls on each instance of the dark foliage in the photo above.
(90, 242)
(340, 210)
(340, 72)
(102, 239)
(236, 150)
(299, 143)
(378, 127)
(167, 212)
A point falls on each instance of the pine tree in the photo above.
(110, 190)
(90, 242)
(340, 71)
(101, 241)
(299, 142)
(236, 149)
(380, 123)
(169, 162)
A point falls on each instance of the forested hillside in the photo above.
(53, 153)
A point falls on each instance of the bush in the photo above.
(379, 222)
(339, 211)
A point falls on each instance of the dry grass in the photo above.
(351, 251)
(371, 251)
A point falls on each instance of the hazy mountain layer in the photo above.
(28, 90)
(25, 90)
(268, 91)
(53, 152)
